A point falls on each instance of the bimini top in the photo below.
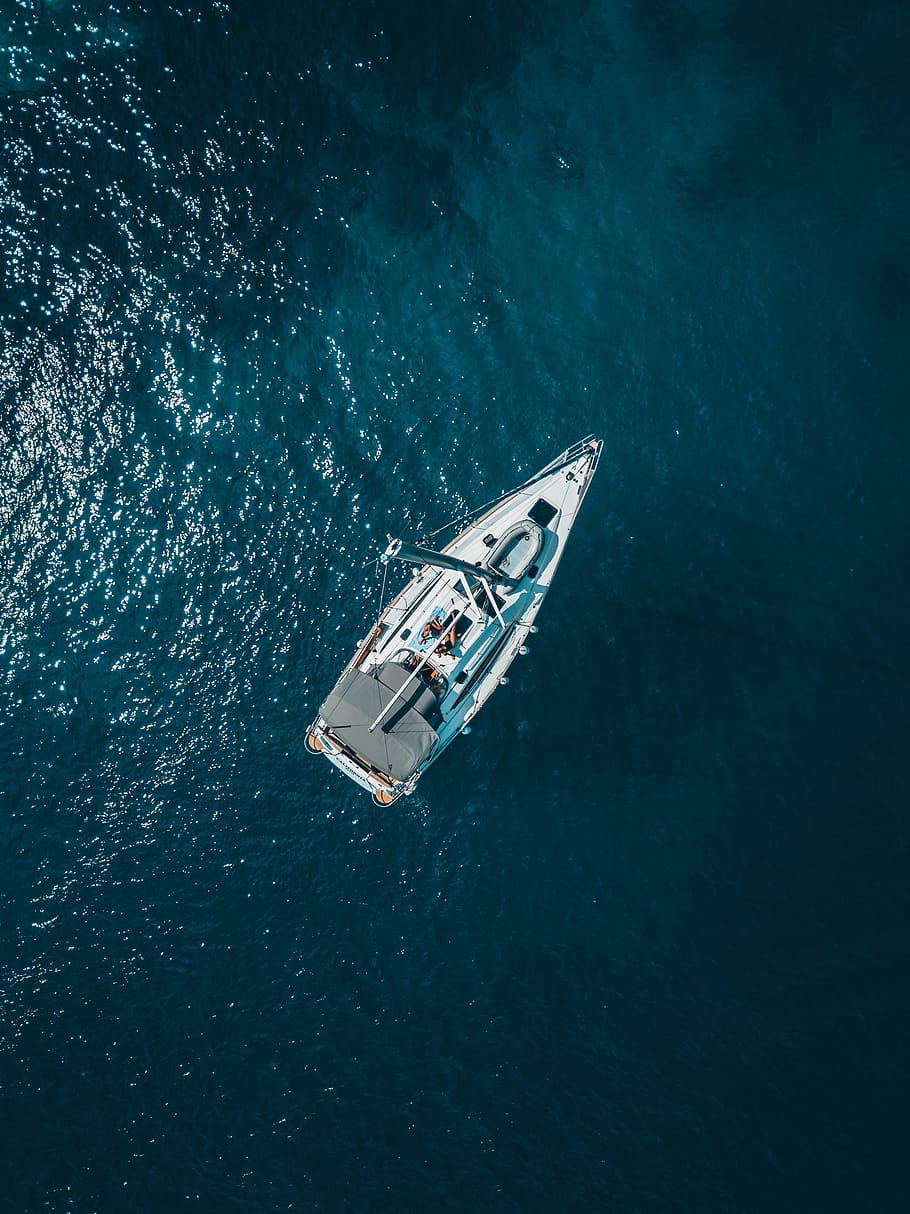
(404, 737)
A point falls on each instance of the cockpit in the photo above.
(411, 659)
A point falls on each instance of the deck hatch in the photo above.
(542, 512)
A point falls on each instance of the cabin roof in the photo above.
(404, 737)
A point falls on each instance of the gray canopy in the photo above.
(404, 737)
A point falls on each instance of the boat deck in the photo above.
(443, 644)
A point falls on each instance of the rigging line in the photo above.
(567, 455)
(466, 518)
(379, 685)
(462, 518)
(385, 574)
(538, 476)
(385, 739)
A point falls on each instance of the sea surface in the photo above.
(278, 279)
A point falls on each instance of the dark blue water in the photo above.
(278, 279)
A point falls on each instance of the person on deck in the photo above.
(435, 626)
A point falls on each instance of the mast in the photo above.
(427, 556)
(417, 669)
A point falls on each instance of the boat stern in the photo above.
(384, 789)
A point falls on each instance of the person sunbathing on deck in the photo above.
(446, 643)
(435, 625)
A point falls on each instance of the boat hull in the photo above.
(452, 633)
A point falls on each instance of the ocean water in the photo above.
(278, 279)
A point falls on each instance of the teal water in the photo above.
(278, 280)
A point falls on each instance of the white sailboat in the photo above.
(445, 642)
